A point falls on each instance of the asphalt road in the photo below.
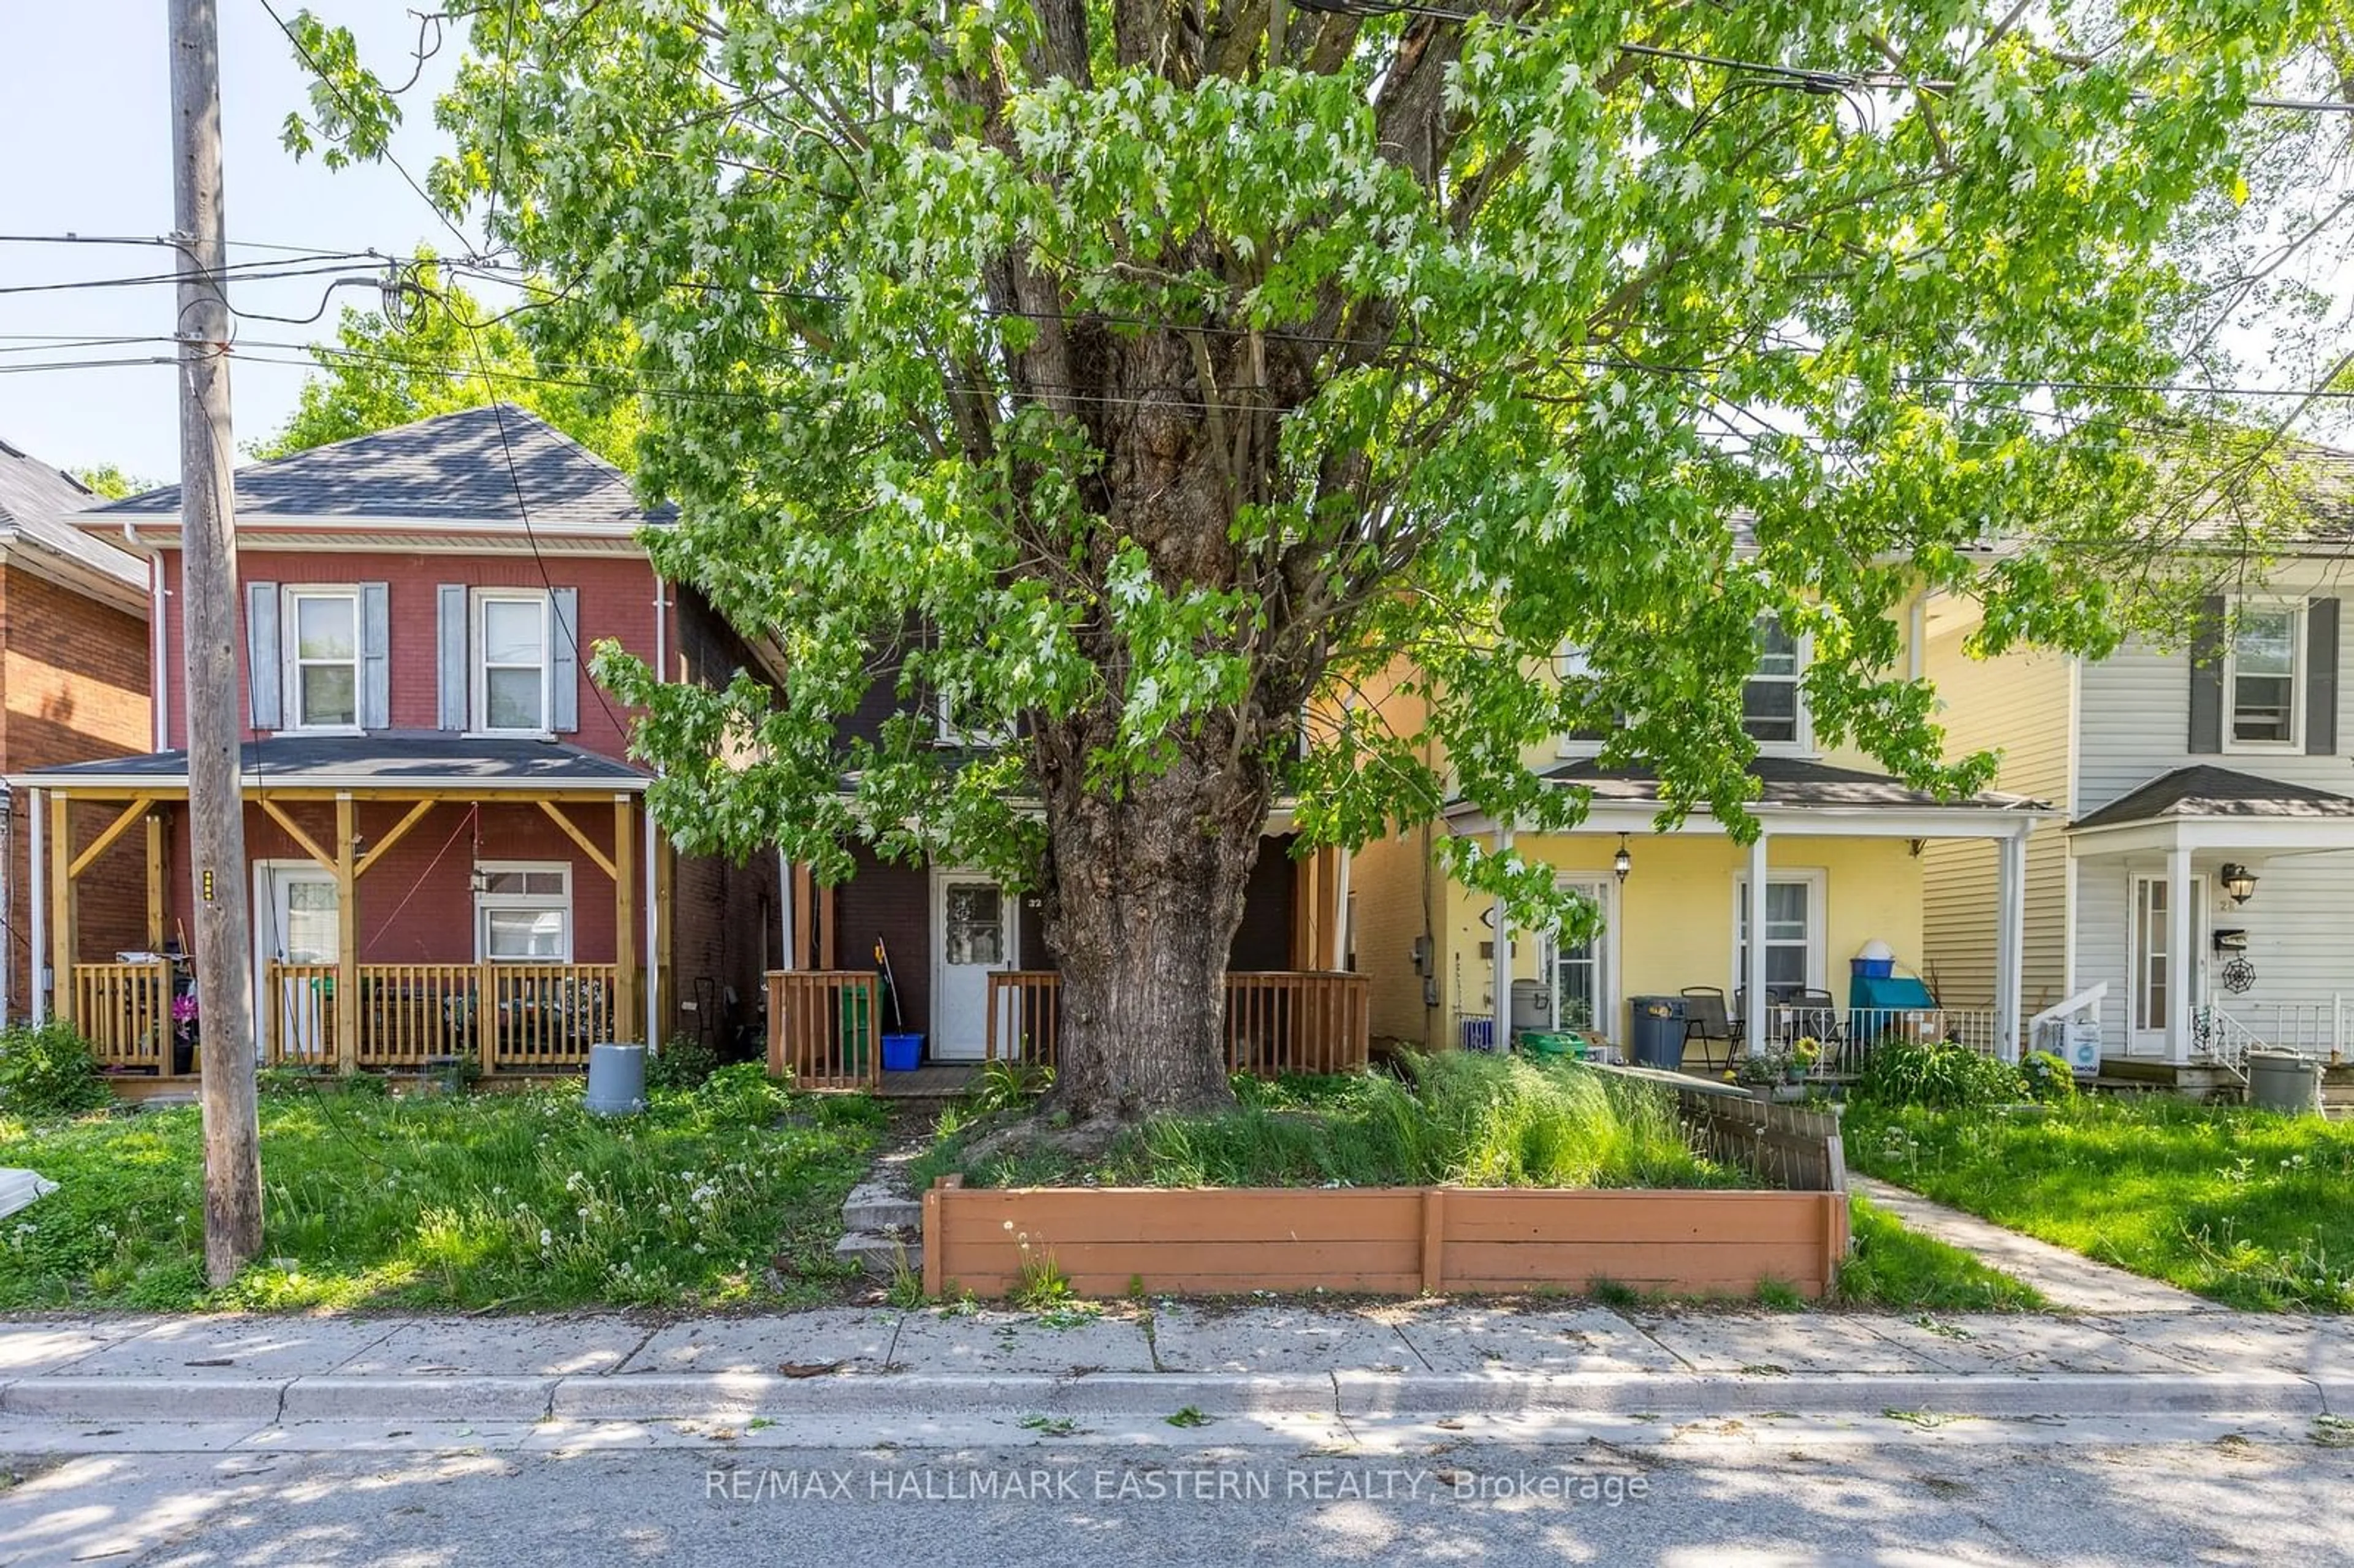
(2274, 1502)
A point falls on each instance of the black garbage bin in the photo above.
(1658, 1031)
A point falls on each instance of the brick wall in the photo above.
(616, 602)
(74, 679)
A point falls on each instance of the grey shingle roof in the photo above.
(35, 500)
(386, 761)
(453, 467)
(2204, 790)
(1789, 781)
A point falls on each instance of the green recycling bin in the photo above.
(855, 1004)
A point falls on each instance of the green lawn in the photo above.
(518, 1199)
(2250, 1207)
(1895, 1269)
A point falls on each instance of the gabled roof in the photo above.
(388, 761)
(35, 501)
(1792, 783)
(493, 467)
(2206, 791)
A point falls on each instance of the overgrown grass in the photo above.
(519, 1200)
(1468, 1119)
(1893, 1267)
(2250, 1207)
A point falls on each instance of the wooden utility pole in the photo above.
(208, 620)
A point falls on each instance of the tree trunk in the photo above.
(1144, 893)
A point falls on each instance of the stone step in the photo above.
(875, 1206)
(880, 1254)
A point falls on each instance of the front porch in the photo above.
(401, 922)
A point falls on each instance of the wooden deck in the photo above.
(933, 1081)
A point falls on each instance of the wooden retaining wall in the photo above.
(1391, 1241)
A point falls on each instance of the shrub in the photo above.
(684, 1064)
(2049, 1077)
(1007, 1085)
(47, 1070)
(1939, 1073)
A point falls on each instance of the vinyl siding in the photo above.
(2020, 705)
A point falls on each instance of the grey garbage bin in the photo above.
(2283, 1081)
(1658, 1031)
(617, 1080)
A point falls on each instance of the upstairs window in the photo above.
(2261, 681)
(1773, 708)
(512, 638)
(1575, 670)
(322, 658)
(523, 912)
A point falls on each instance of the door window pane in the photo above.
(976, 923)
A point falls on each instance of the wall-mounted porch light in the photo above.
(2238, 882)
(1622, 863)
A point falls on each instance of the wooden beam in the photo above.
(625, 934)
(156, 919)
(61, 908)
(303, 840)
(572, 831)
(399, 832)
(114, 830)
(347, 938)
(804, 915)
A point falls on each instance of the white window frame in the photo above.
(2297, 661)
(478, 659)
(1605, 954)
(486, 903)
(1571, 663)
(1802, 741)
(292, 663)
(1818, 884)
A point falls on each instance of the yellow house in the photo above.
(1836, 872)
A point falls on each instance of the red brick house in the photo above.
(75, 675)
(450, 851)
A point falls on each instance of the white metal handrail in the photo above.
(2311, 1029)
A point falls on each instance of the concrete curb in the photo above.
(660, 1396)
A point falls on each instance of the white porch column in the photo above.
(2011, 943)
(2179, 956)
(1752, 977)
(1341, 908)
(1503, 977)
(784, 911)
(39, 999)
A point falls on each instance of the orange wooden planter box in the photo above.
(1386, 1241)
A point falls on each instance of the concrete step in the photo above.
(880, 1254)
(874, 1207)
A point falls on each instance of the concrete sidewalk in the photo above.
(1261, 1361)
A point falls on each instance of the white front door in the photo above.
(2153, 953)
(294, 923)
(973, 931)
(1580, 971)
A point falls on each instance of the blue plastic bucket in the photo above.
(902, 1053)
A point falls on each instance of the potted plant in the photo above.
(1759, 1072)
(1805, 1052)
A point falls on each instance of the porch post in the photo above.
(1752, 976)
(38, 959)
(1341, 909)
(62, 946)
(2178, 953)
(625, 936)
(2010, 946)
(1501, 1022)
(784, 912)
(347, 938)
(156, 919)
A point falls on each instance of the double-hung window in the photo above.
(1794, 932)
(513, 641)
(322, 658)
(1772, 708)
(523, 912)
(2262, 678)
(1575, 671)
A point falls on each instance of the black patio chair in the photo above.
(1706, 1021)
(1815, 1014)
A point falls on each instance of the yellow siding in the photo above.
(1395, 887)
(1673, 925)
(2019, 704)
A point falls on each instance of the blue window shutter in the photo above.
(564, 662)
(450, 661)
(375, 656)
(264, 675)
(2321, 678)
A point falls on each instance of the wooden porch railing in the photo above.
(413, 1014)
(1277, 1021)
(298, 1015)
(542, 1018)
(824, 1028)
(124, 1011)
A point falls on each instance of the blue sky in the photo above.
(85, 147)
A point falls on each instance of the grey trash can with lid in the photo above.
(1658, 1031)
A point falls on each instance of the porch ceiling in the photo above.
(377, 765)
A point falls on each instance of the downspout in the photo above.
(39, 1000)
(158, 666)
(653, 901)
(7, 887)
